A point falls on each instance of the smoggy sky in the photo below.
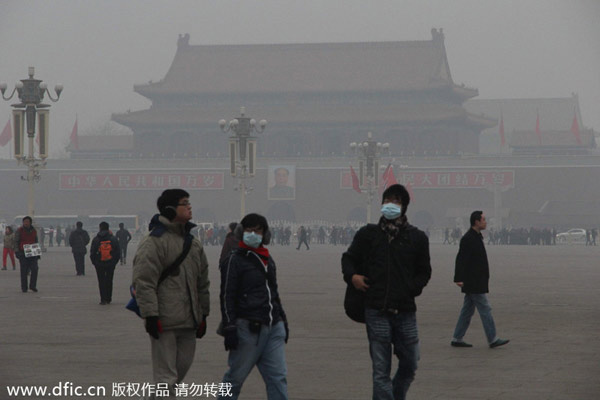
(99, 49)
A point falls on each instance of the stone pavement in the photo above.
(545, 300)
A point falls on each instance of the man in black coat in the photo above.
(78, 239)
(390, 263)
(105, 253)
(472, 274)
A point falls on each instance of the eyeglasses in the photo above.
(184, 204)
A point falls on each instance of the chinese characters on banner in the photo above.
(141, 181)
(447, 179)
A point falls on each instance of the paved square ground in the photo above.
(545, 300)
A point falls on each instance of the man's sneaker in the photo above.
(499, 342)
(456, 343)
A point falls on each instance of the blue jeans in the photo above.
(468, 309)
(266, 350)
(383, 331)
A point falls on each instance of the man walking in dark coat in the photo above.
(472, 274)
(105, 254)
(124, 237)
(78, 240)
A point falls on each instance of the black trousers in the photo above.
(79, 263)
(105, 281)
(123, 248)
(28, 265)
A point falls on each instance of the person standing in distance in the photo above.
(390, 262)
(104, 254)
(27, 234)
(174, 305)
(472, 275)
(78, 240)
(124, 237)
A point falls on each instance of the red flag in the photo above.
(388, 178)
(355, 182)
(74, 137)
(6, 134)
(575, 128)
(501, 130)
(537, 129)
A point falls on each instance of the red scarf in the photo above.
(262, 252)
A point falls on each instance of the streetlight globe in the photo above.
(2, 87)
(58, 89)
(43, 86)
(234, 123)
(353, 145)
(222, 123)
(262, 123)
(19, 85)
(253, 122)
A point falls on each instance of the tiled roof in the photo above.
(305, 67)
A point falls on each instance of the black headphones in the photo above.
(169, 212)
(239, 234)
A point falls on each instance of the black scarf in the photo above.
(393, 227)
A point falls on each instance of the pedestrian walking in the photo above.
(9, 247)
(105, 253)
(472, 275)
(123, 237)
(254, 324)
(78, 240)
(25, 235)
(302, 238)
(171, 287)
(389, 262)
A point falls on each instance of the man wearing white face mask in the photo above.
(389, 262)
(254, 323)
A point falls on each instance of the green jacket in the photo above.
(182, 300)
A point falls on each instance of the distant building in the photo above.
(560, 129)
(317, 97)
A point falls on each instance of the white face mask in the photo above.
(252, 239)
(391, 211)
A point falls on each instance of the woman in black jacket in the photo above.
(254, 323)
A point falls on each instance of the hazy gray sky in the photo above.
(99, 49)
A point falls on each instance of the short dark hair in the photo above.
(397, 192)
(29, 218)
(250, 221)
(475, 216)
(232, 226)
(121, 225)
(168, 201)
(103, 226)
(79, 224)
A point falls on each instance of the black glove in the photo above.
(153, 326)
(287, 331)
(231, 337)
(201, 331)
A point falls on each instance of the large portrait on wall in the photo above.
(282, 182)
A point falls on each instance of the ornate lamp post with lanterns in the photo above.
(242, 150)
(31, 94)
(369, 153)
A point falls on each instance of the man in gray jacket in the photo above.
(175, 308)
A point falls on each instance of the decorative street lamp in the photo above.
(369, 153)
(31, 93)
(242, 150)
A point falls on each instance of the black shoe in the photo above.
(33, 289)
(4, 269)
(498, 343)
(102, 303)
(455, 343)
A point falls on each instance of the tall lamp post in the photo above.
(369, 153)
(31, 94)
(242, 150)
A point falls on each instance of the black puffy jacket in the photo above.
(248, 290)
(396, 271)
